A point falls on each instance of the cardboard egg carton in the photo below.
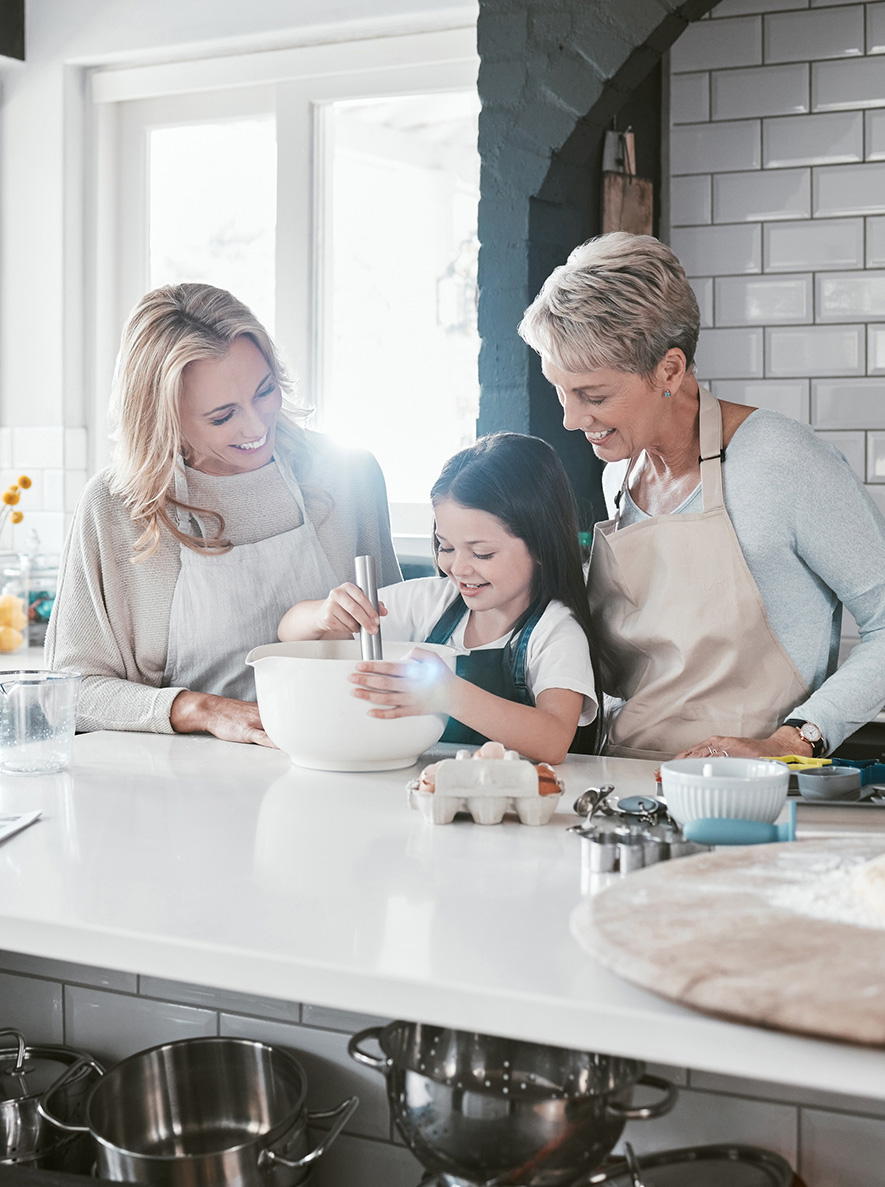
(486, 788)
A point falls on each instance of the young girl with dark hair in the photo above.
(511, 602)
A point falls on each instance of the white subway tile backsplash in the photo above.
(830, 139)
(37, 448)
(345, 1020)
(850, 296)
(74, 481)
(839, 86)
(875, 255)
(746, 7)
(49, 526)
(219, 999)
(789, 397)
(772, 194)
(725, 147)
(331, 1074)
(849, 404)
(784, 1093)
(114, 1025)
(33, 1007)
(875, 349)
(804, 36)
(701, 1118)
(708, 45)
(76, 449)
(53, 489)
(689, 98)
(703, 290)
(875, 134)
(816, 243)
(763, 300)
(852, 445)
(876, 28)
(849, 189)
(877, 494)
(875, 471)
(5, 448)
(730, 354)
(841, 1150)
(815, 350)
(762, 90)
(66, 971)
(691, 200)
(719, 251)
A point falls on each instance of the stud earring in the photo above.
(667, 395)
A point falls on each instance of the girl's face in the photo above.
(492, 569)
(229, 409)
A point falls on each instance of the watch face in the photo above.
(810, 732)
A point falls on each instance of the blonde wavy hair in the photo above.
(620, 301)
(169, 328)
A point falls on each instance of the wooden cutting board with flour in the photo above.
(790, 936)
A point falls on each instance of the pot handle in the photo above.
(645, 1112)
(75, 1072)
(343, 1112)
(378, 1063)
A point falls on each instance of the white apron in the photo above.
(682, 632)
(225, 605)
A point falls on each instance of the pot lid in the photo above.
(701, 1166)
(29, 1071)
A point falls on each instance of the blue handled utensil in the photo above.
(716, 831)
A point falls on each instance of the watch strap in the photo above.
(817, 748)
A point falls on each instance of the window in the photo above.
(334, 188)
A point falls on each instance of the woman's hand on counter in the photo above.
(223, 717)
(339, 616)
(782, 741)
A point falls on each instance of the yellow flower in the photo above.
(24, 481)
(17, 516)
(11, 497)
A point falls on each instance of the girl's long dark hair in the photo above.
(521, 481)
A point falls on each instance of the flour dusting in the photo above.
(828, 889)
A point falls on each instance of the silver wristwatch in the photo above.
(811, 733)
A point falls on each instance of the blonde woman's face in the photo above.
(229, 410)
(616, 411)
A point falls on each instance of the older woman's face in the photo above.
(615, 410)
(229, 409)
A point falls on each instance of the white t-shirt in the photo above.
(558, 655)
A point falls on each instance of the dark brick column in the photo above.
(553, 74)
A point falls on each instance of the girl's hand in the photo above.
(223, 717)
(421, 683)
(340, 616)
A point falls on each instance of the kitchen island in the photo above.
(206, 862)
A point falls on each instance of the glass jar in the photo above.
(41, 598)
(14, 574)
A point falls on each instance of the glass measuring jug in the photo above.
(38, 713)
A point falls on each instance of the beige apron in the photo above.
(683, 636)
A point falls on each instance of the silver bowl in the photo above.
(494, 1110)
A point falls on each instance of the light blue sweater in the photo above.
(813, 541)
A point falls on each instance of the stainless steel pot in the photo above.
(27, 1138)
(499, 1111)
(202, 1112)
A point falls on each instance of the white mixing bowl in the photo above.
(308, 709)
(730, 788)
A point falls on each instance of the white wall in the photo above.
(43, 132)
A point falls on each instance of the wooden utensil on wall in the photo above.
(627, 200)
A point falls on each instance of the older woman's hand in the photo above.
(223, 717)
(782, 741)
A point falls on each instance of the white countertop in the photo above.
(219, 864)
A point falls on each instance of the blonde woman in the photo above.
(216, 514)
(736, 535)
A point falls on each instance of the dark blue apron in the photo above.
(498, 670)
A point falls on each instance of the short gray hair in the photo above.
(620, 301)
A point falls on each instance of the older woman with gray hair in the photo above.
(736, 534)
